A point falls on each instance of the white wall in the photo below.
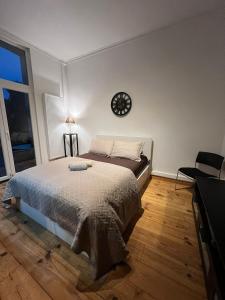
(47, 78)
(175, 78)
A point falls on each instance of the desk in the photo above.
(209, 212)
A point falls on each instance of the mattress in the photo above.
(135, 166)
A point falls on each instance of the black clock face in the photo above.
(121, 104)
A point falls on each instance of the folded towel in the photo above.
(78, 167)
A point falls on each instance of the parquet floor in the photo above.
(163, 264)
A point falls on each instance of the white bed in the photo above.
(66, 235)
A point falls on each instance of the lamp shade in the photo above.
(70, 120)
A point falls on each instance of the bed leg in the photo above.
(17, 204)
(7, 203)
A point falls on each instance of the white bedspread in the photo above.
(95, 205)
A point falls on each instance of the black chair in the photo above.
(210, 159)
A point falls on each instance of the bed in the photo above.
(90, 210)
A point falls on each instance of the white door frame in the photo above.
(5, 151)
(4, 130)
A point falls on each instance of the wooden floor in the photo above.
(163, 264)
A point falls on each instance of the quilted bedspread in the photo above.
(94, 205)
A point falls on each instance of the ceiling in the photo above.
(68, 29)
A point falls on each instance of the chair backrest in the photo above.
(210, 159)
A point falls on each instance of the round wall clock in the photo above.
(121, 104)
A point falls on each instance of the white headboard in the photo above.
(148, 143)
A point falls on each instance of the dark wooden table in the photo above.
(209, 208)
(71, 137)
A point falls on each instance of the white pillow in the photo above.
(101, 146)
(131, 150)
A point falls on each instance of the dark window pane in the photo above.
(20, 129)
(12, 64)
(2, 163)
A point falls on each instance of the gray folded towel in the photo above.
(78, 167)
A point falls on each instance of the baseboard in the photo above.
(170, 175)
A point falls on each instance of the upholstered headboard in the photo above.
(148, 144)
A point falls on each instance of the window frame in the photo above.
(20, 52)
(24, 88)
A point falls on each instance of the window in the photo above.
(20, 129)
(18, 142)
(12, 64)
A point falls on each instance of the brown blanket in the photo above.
(135, 166)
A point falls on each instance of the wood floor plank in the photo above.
(7, 228)
(160, 286)
(163, 264)
(177, 270)
(7, 263)
(15, 281)
(19, 285)
(37, 263)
